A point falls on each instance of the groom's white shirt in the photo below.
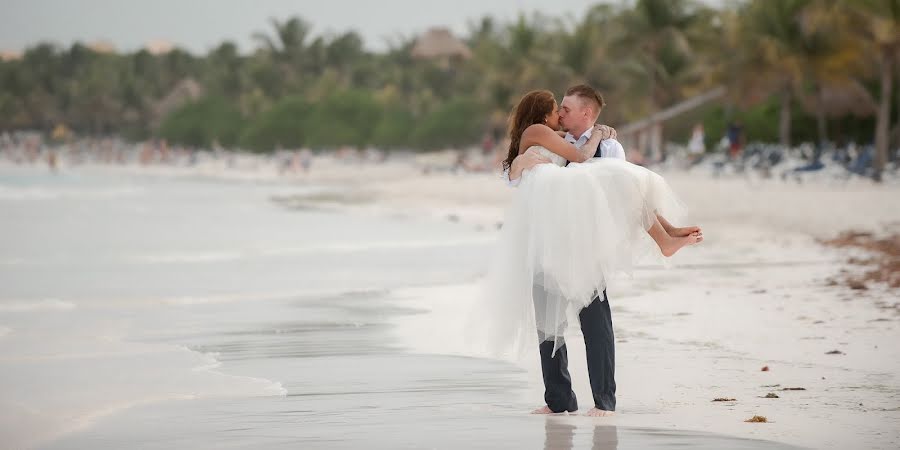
(609, 148)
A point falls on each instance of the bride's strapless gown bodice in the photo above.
(553, 157)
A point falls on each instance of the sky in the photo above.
(200, 25)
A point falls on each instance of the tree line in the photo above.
(795, 70)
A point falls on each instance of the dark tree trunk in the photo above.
(884, 115)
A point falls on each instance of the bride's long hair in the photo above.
(533, 108)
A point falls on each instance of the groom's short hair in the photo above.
(589, 95)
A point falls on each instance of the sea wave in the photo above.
(188, 300)
(50, 304)
(187, 257)
(326, 248)
(124, 374)
(375, 245)
(64, 192)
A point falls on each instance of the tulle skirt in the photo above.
(566, 232)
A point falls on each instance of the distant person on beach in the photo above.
(735, 134)
(696, 146)
(305, 159)
(570, 227)
(52, 162)
(488, 143)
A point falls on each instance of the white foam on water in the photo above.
(12, 262)
(187, 257)
(376, 245)
(201, 257)
(31, 193)
(50, 304)
(188, 300)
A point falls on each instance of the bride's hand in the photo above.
(523, 162)
(604, 131)
(598, 133)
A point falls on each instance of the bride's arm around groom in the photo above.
(609, 148)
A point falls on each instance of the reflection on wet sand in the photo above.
(560, 435)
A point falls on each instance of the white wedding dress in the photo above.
(566, 232)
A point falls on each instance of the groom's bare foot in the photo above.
(672, 245)
(683, 231)
(545, 410)
(594, 412)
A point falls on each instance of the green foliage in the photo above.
(282, 126)
(202, 123)
(342, 118)
(393, 129)
(456, 123)
(325, 91)
(760, 124)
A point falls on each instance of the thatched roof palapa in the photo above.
(185, 91)
(841, 99)
(440, 43)
(102, 46)
(159, 47)
(10, 55)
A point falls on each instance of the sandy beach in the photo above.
(321, 310)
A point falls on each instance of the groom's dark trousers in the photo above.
(599, 343)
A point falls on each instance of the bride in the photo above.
(570, 227)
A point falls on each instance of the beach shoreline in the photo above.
(755, 294)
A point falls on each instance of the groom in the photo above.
(578, 113)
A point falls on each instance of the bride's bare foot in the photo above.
(683, 231)
(594, 412)
(670, 246)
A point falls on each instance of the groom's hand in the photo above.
(606, 132)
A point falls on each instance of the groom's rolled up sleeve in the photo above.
(611, 148)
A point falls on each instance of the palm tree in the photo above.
(877, 24)
(346, 55)
(774, 52)
(288, 50)
(289, 42)
(832, 59)
(96, 100)
(42, 86)
(588, 43)
(224, 70)
(656, 44)
(897, 125)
